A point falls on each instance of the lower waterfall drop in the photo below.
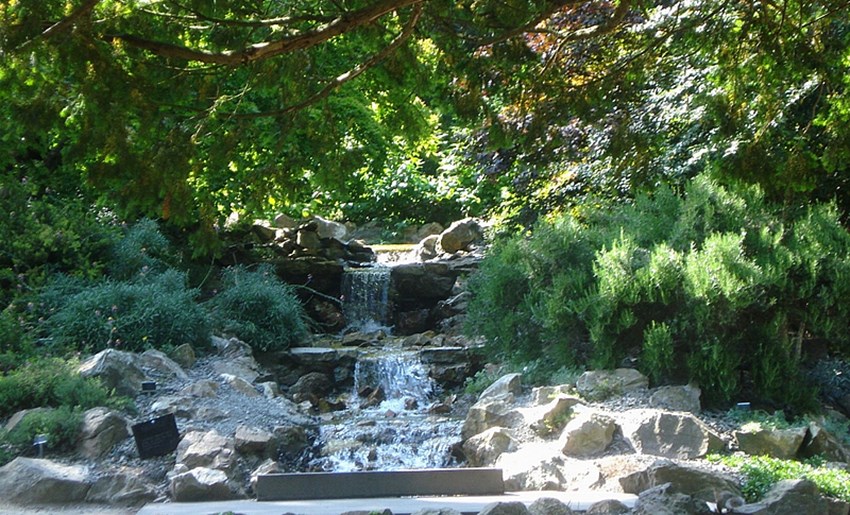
(393, 434)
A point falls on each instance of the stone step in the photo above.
(384, 483)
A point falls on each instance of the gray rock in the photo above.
(254, 440)
(34, 481)
(669, 435)
(587, 434)
(483, 449)
(162, 364)
(426, 248)
(437, 511)
(697, 483)
(311, 383)
(536, 468)
(314, 357)
(602, 384)
(284, 221)
(459, 235)
(507, 386)
(607, 507)
(308, 239)
(231, 347)
(505, 508)
(270, 466)
(487, 413)
(551, 417)
(201, 484)
(116, 369)
(205, 388)
(123, 488)
(423, 281)
(206, 449)
(677, 398)
(240, 385)
(329, 229)
(245, 367)
(789, 497)
(101, 430)
(778, 443)
(549, 506)
(664, 500)
(184, 355)
(546, 394)
(821, 442)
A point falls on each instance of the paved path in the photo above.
(404, 505)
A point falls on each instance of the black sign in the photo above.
(156, 437)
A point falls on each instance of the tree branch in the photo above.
(64, 23)
(272, 48)
(405, 34)
(527, 27)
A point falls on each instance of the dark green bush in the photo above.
(15, 346)
(155, 310)
(255, 306)
(61, 426)
(51, 382)
(715, 287)
(143, 249)
(43, 233)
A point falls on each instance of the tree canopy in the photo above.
(190, 109)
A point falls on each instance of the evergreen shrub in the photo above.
(155, 310)
(715, 286)
(258, 308)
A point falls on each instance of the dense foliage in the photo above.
(715, 287)
(255, 306)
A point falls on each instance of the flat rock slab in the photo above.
(577, 501)
(390, 483)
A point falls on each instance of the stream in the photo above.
(393, 430)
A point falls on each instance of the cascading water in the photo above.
(365, 298)
(398, 433)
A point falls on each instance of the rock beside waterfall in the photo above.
(32, 481)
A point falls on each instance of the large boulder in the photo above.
(495, 408)
(550, 418)
(536, 467)
(587, 434)
(700, 484)
(602, 384)
(778, 443)
(124, 488)
(34, 481)
(677, 398)
(505, 508)
(821, 442)
(201, 484)
(460, 235)
(789, 497)
(118, 370)
(256, 441)
(329, 229)
(101, 430)
(669, 435)
(206, 449)
(483, 449)
(665, 500)
(311, 384)
(162, 365)
(549, 506)
(508, 387)
(608, 507)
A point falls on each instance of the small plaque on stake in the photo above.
(156, 437)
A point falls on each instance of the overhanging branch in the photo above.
(405, 34)
(271, 48)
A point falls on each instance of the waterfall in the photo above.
(365, 298)
(401, 376)
(399, 433)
